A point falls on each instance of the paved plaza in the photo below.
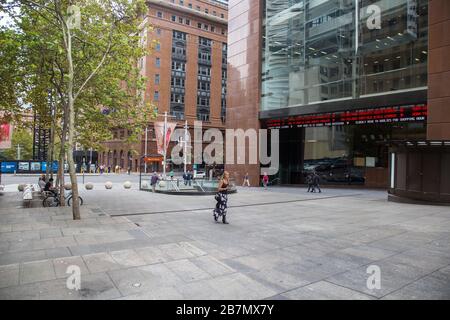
(282, 243)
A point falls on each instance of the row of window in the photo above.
(188, 22)
(198, 8)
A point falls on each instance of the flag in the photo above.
(5, 136)
(163, 140)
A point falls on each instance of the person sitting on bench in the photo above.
(49, 187)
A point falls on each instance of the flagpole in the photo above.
(185, 144)
(165, 144)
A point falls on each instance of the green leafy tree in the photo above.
(91, 66)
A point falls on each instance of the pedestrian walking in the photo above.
(265, 180)
(154, 181)
(316, 181)
(309, 181)
(246, 180)
(222, 199)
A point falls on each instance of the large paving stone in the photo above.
(187, 271)
(127, 258)
(37, 271)
(100, 262)
(435, 286)
(325, 291)
(152, 255)
(9, 275)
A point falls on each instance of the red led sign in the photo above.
(369, 116)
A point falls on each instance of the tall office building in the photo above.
(186, 72)
(342, 80)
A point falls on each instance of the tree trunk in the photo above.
(61, 158)
(71, 131)
(51, 147)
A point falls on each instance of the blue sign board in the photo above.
(27, 167)
(9, 167)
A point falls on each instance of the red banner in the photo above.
(163, 138)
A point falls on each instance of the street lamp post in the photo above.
(185, 145)
(145, 147)
(165, 144)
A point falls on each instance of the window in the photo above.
(178, 66)
(157, 79)
(156, 96)
(188, 22)
(177, 82)
(206, 56)
(159, 14)
(222, 15)
(158, 47)
(213, 29)
(190, 5)
(158, 62)
(199, 25)
(176, 98)
(206, 27)
(179, 51)
(205, 86)
(179, 35)
(158, 32)
(206, 11)
(174, 18)
(180, 20)
(204, 102)
(205, 42)
(204, 71)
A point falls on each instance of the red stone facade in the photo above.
(439, 70)
(244, 69)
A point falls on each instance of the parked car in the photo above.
(199, 174)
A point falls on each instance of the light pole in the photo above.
(185, 145)
(165, 144)
(145, 148)
(18, 151)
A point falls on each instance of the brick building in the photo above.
(186, 72)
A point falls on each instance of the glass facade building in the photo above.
(331, 50)
(338, 56)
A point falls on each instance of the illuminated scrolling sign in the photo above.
(370, 116)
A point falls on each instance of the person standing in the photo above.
(171, 174)
(309, 181)
(41, 182)
(190, 177)
(246, 180)
(265, 180)
(185, 178)
(316, 181)
(222, 199)
(154, 181)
